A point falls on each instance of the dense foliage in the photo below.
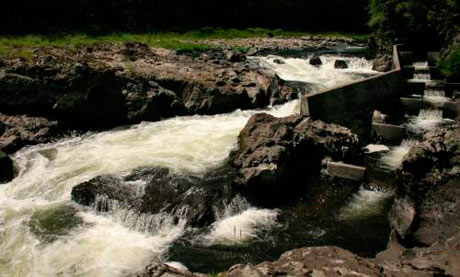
(145, 15)
(450, 65)
(424, 23)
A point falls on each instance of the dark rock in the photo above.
(341, 64)
(315, 60)
(271, 151)
(25, 130)
(278, 61)
(6, 168)
(2, 128)
(429, 176)
(135, 50)
(438, 260)
(235, 57)
(163, 191)
(383, 63)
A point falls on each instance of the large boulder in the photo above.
(315, 60)
(274, 151)
(151, 190)
(6, 168)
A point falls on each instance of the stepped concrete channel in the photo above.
(410, 87)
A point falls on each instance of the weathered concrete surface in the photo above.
(392, 133)
(347, 171)
(352, 105)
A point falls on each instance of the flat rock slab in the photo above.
(392, 133)
(347, 171)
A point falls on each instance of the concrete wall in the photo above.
(352, 105)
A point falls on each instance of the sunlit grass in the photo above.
(22, 46)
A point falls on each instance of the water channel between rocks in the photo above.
(43, 233)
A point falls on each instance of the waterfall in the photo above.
(393, 158)
(425, 121)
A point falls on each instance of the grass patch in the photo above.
(191, 41)
(450, 66)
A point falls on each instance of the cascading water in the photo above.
(393, 158)
(295, 69)
(436, 97)
(425, 121)
(114, 241)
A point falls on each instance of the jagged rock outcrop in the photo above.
(111, 84)
(151, 190)
(438, 260)
(25, 130)
(271, 151)
(429, 177)
(6, 168)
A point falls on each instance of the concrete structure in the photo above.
(352, 104)
(393, 134)
(347, 171)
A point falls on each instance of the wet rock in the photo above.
(6, 168)
(429, 176)
(2, 128)
(151, 190)
(382, 63)
(315, 60)
(341, 64)
(278, 61)
(271, 151)
(401, 216)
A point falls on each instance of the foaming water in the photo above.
(237, 223)
(420, 65)
(365, 203)
(115, 242)
(241, 228)
(392, 159)
(374, 148)
(295, 69)
(422, 76)
(435, 96)
(425, 121)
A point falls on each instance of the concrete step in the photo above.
(413, 105)
(406, 57)
(392, 134)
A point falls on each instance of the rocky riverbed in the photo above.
(131, 176)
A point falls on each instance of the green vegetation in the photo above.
(22, 46)
(450, 66)
(413, 21)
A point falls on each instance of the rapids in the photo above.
(120, 243)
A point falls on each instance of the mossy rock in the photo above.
(51, 223)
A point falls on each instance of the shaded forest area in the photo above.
(100, 16)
